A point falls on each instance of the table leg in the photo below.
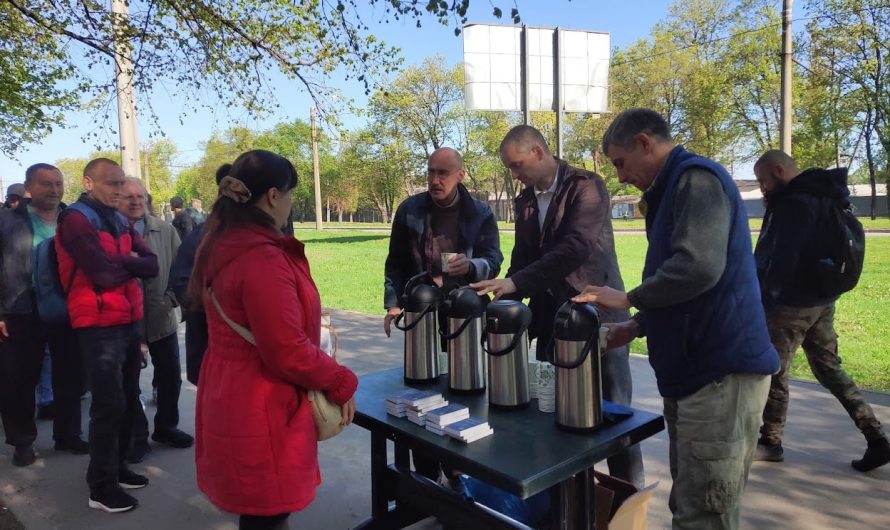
(381, 490)
(572, 503)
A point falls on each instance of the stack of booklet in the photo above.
(469, 430)
(438, 419)
(414, 404)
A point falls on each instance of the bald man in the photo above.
(104, 259)
(443, 219)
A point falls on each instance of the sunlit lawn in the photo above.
(348, 268)
(881, 223)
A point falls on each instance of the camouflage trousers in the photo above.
(812, 328)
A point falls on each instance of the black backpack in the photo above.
(839, 271)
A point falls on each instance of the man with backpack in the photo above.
(105, 258)
(806, 257)
(24, 335)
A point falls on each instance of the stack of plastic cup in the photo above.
(546, 387)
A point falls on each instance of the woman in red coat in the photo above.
(256, 450)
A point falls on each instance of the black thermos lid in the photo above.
(575, 322)
(421, 297)
(507, 316)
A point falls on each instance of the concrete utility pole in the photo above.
(145, 172)
(126, 99)
(785, 116)
(315, 171)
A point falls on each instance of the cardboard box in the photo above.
(619, 505)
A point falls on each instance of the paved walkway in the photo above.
(814, 489)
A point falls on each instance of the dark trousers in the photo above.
(167, 379)
(195, 343)
(21, 358)
(113, 357)
(67, 378)
(263, 522)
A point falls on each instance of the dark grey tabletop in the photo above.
(526, 454)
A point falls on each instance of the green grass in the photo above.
(881, 223)
(348, 268)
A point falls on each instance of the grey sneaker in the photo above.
(768, 453)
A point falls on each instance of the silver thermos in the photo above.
(466, 366)
(506, 332)
(421, 338)
(575, 352)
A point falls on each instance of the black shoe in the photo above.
(174, 438)
(766, 452)
(138, 453)
(24, 455)
(877, 454)
(130, 480)
(75, 446)
(112, 500)
(46, 412)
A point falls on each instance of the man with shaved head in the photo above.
(799, 307)
(101, 258)
(564, 241)
(443, 219)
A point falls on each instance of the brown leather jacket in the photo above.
(575, 248)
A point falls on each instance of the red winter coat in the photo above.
(256, 450)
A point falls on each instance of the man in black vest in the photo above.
(798, 312)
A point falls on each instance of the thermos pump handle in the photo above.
(416, 321)
(516, 338)
(457, 332)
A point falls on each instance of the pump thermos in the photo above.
(575, 352)
(464, 310)
(421, 337)
(506, 336)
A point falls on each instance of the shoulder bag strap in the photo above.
(239, 329)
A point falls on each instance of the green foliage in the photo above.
(33, 70)
(223, 50)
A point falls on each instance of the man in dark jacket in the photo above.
(443, 219)
(798, 311)
(23, 337)
(564, 241)
(699, 307)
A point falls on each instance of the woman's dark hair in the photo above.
(260, 171)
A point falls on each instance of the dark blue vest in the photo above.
(722, 331)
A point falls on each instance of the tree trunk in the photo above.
(873, 204)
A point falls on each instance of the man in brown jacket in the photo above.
(564, 242)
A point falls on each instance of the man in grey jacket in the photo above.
(161, 323)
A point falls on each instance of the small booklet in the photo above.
(467, 427)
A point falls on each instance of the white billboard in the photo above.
(493, 72)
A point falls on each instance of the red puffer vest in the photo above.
(87, 305)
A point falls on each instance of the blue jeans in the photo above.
(713, 433)
(113, 359)
(44, 392)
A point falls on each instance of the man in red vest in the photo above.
(103, 256)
